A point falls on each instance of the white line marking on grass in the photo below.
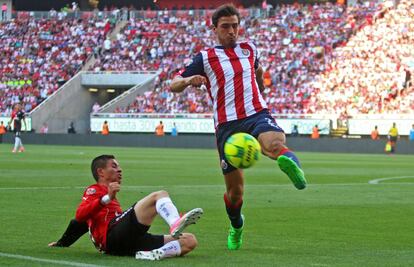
(42, 188)
(155, 187)
(377, 181)
(29, 258)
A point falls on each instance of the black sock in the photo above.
(234, 212)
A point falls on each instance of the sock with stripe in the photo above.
(234, 211)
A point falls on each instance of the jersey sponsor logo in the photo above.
(246, 52)
(223, 164)
(90, 191)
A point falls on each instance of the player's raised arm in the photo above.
(192, 74)
(179, 83)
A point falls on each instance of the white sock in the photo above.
(20, 143)
(16, 143)
(167, 210)
(171, 249)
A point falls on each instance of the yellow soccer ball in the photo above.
(242, 150)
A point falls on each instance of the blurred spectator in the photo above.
(44, 129)
(159, 130)
(71, 129)
(393, 137)
(2, 131)
(315, 132)
(75, 7)
(411, 136)
(105, 128)
(4, 11)
(174, 130)
(375, 134)
(295, 131)
(95, 107)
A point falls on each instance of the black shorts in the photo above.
(254, 125)
(126, 235)
(17, 128)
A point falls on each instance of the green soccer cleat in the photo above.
(295, 174)
(234, 239)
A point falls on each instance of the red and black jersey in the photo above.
(17, 117)
(97, 215)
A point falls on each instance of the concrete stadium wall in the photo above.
(325, 144)
(71, 103)
(114, 79)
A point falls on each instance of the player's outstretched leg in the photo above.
(289, 164)
(190, 217)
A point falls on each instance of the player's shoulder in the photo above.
(248, 43)
(93, 189)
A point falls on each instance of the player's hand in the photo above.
(197, 80)
(53, 244)
(113, 188)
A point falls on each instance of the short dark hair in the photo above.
(225, 10)
(99, 162)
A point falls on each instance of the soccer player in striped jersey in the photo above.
(233, 77)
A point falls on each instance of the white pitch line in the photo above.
(137, 187)
(29, 258)
(377, 181)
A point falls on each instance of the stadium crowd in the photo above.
(38, 56)
(321, 58)
(295, 46)
(371, 74)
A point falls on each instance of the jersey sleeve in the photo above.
(90, 205)
(256, 55)
(196, 67)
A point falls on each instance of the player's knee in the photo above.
(272, 148)
(159, 194)
(190, 241)
(235, 196)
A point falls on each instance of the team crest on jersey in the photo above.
(246, 52)
(223, 164)
(90, 191)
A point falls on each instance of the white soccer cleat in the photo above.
(153, 255)
(190, 217)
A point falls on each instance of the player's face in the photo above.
(112, 171)
(227, 31)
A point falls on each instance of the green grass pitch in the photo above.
(339, 220)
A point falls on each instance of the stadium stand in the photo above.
(40, 55)
(317, 58)
(371, 73)
(295, 46)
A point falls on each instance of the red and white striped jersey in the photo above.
(231, 76)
